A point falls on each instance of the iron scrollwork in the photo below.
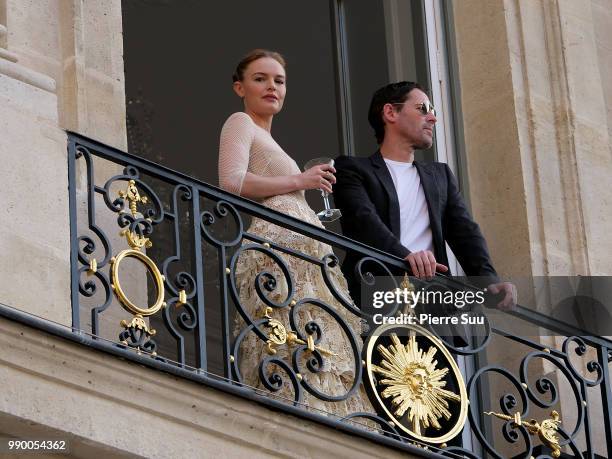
(423, 400)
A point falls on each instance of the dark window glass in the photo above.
(179, 59)
(368, 67)
(385, 41)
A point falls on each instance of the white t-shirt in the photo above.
(414, 216)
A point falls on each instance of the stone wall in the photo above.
(534, 106)
(61, 68)
(34, 263)
(535, 87)
(602, 22)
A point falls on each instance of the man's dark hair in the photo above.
(394, 93)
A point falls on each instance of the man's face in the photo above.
(411, 124)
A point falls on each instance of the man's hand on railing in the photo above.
(423, 264)
(510, 295)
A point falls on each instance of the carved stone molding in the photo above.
(3, 31)
(4, 52)
(537, 148)
(26, 75)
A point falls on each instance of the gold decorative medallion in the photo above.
(137, 243)
(405, 379)
(157, 277)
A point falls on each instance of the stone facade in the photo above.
(538, 69)
(535, 84)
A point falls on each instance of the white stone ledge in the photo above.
(55, 386)
(24, 106)
(25, 75)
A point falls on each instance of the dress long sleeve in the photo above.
(235, 143)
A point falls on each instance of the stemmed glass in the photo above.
(328, 214)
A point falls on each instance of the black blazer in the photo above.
(365, 193)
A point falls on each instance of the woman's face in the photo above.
(262, 87)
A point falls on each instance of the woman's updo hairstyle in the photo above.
(253, 56)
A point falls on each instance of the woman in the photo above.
(253, 165)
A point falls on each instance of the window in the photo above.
(180, 55)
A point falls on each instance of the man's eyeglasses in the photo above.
(424, 107)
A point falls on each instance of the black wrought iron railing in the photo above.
(179, 275)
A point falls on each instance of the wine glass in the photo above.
(328, 214)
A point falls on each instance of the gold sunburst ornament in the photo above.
(409, 383)
(414, 383)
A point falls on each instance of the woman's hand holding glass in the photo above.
(323, 169)
(318, 177)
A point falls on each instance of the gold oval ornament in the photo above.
(406, 380)
(157, 277)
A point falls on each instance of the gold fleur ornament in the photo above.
(278, 335)
(137, 243)
(133, 197)
(407, 379)
(546, 430)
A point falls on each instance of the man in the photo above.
(404, 207)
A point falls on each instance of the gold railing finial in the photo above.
(407, 286)
(133, 196)
(546, 430)
(278, 335)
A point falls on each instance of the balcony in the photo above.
(155, 258)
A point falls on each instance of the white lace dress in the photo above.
(244, 146)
